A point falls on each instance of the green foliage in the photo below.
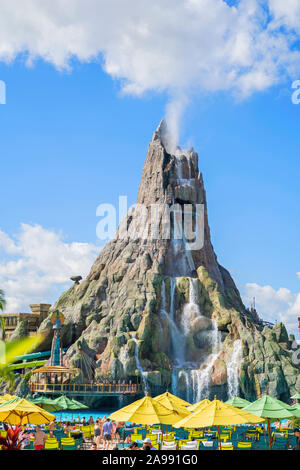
(2, 321)
(2, 300)
(12, 350)
(7, 376)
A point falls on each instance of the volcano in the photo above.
(155, 310)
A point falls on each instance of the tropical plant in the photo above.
(14, 349)
(2, 321)
(13, 439)
(8, 377)
(2, 300)
(2, 329)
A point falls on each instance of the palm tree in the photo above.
(2, 322)
(2, 300)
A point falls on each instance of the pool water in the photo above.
(67, 415)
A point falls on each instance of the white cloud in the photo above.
(286, 12)
(275, 305)
(37, 264)
(178, 46)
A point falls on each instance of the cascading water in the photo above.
(201, 377)
(197, 381)
(177, 338)
(143, 373)
(123, 357)
(191, 309)
(233, 369)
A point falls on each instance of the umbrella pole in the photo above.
(219, 437)
(269, 434)
(162, 435)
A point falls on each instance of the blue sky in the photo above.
(70, 140)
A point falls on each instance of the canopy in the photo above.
(269, 407)
(169, 401)
(54, 370)
(47, 404)
(217, 413)
(67, 404)
(238, 402)
(177, 400)
(146, 411)
(199, 405)
(295, 409)
(21, 411)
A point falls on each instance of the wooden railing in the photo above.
(87, 389)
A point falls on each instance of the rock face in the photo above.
(154, 309)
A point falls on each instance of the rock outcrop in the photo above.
(154, 309)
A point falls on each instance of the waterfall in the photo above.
(163, 296)
(143, 373)
(233, 369)
(177, 339)
(192, 308)
(123, 357)
(178, 344)
(197, 380)
(202, 377)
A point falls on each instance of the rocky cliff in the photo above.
(153, 308)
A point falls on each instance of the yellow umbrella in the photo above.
(176, 400)
(199, 405)
(217, 414)
(172, 402)
(7, 397)
(146, 411)
(21, 411)
(169, 401)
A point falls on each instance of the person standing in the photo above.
(107, 432)
(39, 438)
(97, 433)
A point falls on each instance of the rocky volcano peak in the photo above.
(154, 309)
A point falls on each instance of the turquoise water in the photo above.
(67, 415)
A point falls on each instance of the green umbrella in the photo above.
(269, 408)
(46, 403)
(238, 402)
(68, 404)
(295, 409)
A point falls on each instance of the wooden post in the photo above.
(219, 437)
(269, 434)
(162, 436)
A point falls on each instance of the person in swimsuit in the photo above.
(97, 433)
